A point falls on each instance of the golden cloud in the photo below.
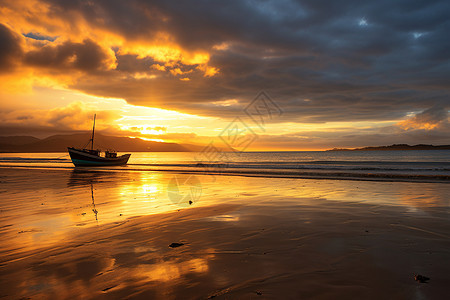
(414, 124)
(75, 116)
(433, 118)
(79, 44)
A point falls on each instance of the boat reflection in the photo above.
(120, 195)
(93, 203)
(80, 177)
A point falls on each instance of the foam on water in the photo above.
(424, 165)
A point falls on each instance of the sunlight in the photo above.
(149, 190)
(148, 139)
(148, 130)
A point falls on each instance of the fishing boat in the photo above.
(93, 157)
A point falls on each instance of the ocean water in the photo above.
(417, 165)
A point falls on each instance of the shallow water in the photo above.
(411, 165)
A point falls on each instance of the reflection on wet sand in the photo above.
(123, 194)
(118, 260)
(90, 235)
(425, 198)
(94, 210)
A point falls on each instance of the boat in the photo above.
(84, 157)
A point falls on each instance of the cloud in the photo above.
(430, 119)
(189, 56)
(350, 138)
(76, 116)
(295, 50)
(10, 48)
(84, 56)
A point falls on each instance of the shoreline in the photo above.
(368, 148)
(377, 177)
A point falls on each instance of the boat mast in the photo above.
(92, 138)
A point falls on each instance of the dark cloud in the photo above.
(434, 114)
(10, 48)
(85, 56)
(131, 63)
(321, 61)
(352, 60)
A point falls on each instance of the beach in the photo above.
(102, 234)
(224, 150)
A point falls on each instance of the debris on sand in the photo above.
(108, 288)
(175, 245)
(421, 278)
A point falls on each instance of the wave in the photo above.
(304, 165)
(33, 159)
(312, 166)
(335, 169)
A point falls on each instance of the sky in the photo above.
(275, 75)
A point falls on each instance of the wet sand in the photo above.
(94, 235)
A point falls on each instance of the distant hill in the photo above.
(59, 143)
(17, 140)
(396, 147)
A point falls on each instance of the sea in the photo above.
(398, 165)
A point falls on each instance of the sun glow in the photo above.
(147, 139)
(148, 130)
(145, 129)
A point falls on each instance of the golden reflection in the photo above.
(119, 195)
(94, 198)
(144, 194)
(427, 197)
(225, 218)
(68, 277)
(151, 190)
(91, 276)
(49, 213)
(171, 270)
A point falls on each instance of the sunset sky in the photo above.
(342, 73)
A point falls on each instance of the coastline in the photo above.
(242, 237)
(324, 175)
(414, 166)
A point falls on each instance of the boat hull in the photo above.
(84, 159)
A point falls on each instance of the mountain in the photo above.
(17, 140)
(59, 143)
(396, 147)
(9, 143)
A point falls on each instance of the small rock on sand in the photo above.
(421, 278)
(175, 245)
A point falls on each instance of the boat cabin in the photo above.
(110, 154)
(93, 152)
